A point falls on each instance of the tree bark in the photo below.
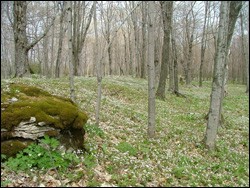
(52, 47)
(203, 45)
(46, 46)
(244, 50)
(20, 38)
(166, 7)
(110, 59)
(98, 69)
(247, 65)
(171, 63)
(59, 52)
(217, 85)
(130, 53)
(71, 75)
(136, 40)
(151, 71)
(190, 59)
(175, 59)
(79, 35)
(190, 48)
(125, 52)
(144, 15)
(234, 9)
(228, 14)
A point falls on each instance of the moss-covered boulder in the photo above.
(28, 112)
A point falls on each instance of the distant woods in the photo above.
(34, 39)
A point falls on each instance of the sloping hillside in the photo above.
(122, 154)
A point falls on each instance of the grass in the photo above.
(120, 153)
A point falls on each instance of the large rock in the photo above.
(28, 113)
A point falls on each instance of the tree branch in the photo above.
(32, 44)
(87, 27)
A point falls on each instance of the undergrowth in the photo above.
(119, 152)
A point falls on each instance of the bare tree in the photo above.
(190, 25)
(108, 17)
(20, 38)
(130, 48)
(125, 52)
(46, 44)
(166, 7)
(234, 10)
(171, 62)
(151, 71)
(80, 29)
(216, 95)
(244, 53)
(52, 44)
(175, 59)
(203, 44)
(143, 59)
(59, 52)
(71, 75)
(247, 66)
(7, 60)
(136, 38)
(228, 14)
(98, 68)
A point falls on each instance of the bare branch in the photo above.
(42, 36)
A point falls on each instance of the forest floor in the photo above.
(123, 155)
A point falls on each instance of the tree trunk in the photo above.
(235, 7)
(71, 75)
(203, 45)
(46, 46)
(244, 55)
(98, 69)
(52, 47)
(136, 40)
(143, 74)
(125, 52)
(151, 71)
(171, 63)
(190, 59)
(20, 38)
(21, 60)
(59, 52)
(107, 15)
(130, 54)
(79, 35)
(247, 65)
(166, 7)
(175, 59)
(190, 40)
(158, 50)
(217, 85)
(110, 58)
(46, 56)
(228, 14)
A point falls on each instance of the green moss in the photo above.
(29, 90)
(4, 97)
(80, 120)
(11, 147)
(59, 112)
(15, 113)
(52, 133)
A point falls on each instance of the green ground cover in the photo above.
(119, 152)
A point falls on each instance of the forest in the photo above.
(164, 84)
